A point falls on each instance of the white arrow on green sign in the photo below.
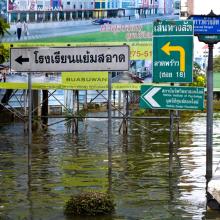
(172, 97)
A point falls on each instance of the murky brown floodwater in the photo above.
(139, 178)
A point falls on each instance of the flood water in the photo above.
(139, 179)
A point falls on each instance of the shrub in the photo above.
(89, 203)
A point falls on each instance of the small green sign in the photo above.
(209, 38)
(172, 97)
(173, 51)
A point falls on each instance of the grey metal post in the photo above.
(109, 122)
(119, 99)
(85, 100)
(171, 140)
(77, 111)
(73, 111)
(209, 118)
(29, 118)
(109, 109)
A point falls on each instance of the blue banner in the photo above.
(206, 25)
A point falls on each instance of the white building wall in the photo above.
(161, 6)
(169, 7)
(165, 7)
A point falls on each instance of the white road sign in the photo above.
(70, 59)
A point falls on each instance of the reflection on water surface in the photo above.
(139, 178)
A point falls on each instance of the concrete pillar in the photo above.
(119, 99)
(35, 17)
(51, 16)
(82, 14)
(27, 17)
(36, 102)
(9, 17)
(58, 16)
(85, 100)
(64, 16)
(19, 16)
(76, 14)
(71, 15)
(105, 14)
(125, 112)
(44, 16)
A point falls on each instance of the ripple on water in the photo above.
(138, 176)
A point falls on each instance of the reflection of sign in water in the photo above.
(170, 97)
(69, 59)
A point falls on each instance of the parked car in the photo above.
(101, 21)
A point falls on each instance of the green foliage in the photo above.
(140, 112)
(150, 112)
(216, 64)
(216, 105)
(199, 78)
(196, 68)
(93, 106)
(89, 203)
(4, 54)
(3, 27)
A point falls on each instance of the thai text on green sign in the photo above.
(172, 97)
(173, 28)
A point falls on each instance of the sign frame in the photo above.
(23, 55)
(168, 46)
(208, 37)
(172, 94)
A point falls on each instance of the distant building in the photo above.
(186, 8)
(201, 54)
(166, 7)
(56, 10)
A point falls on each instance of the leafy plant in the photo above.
(89, 203)
(216, 64)
(4, 26)
(4, 54)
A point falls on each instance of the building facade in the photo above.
(58, 10)
(186, 8)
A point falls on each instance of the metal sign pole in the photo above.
(109, 123)
(29, 118)
(209, 119)
(171, 140)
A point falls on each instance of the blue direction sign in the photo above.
(204, 24)
(172, 97)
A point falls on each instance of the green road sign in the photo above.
(173, 51)
(172, 97)
(209, 38)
